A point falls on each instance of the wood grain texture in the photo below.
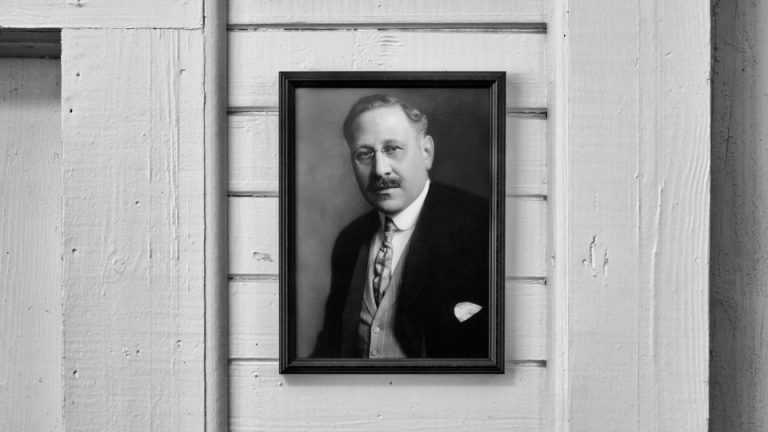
(262, 400)
(388, 11)
(257, 57)
(30, 245)
(635, 150)
(254, 143)
(254, 320)
(739, 251)
(133, 230)
(102, 14)
(254, 222)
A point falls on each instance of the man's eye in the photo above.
(390, 150)
(362, 155)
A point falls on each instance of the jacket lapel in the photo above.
(354, 301)
(418, 261)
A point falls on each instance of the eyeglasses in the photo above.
(364, 156)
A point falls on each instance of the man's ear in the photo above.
(428, 149)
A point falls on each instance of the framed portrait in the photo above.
(392, 222)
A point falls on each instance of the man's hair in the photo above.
(367, 103)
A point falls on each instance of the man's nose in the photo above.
(381, 164)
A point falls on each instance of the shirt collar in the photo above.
(407, 217)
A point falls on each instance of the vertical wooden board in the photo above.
(389, 11)
(254, 240)
(254, 81)
(262, 400)
(102, 14)
(30, 244)
(604, 309)
(253, 154)
(253, 323)
(636, 200)
(739, 264)
(133, 230)
(675, 128)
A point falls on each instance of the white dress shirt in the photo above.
(404, 222)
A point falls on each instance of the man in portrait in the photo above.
(409, 279)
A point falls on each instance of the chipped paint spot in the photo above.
(262, 256)
(389, 45)
(118, 265)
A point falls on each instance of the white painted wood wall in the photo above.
(259, 49)
(608, 193)
(30, 245)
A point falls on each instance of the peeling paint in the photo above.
(262, 256)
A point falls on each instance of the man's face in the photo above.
(390, 158)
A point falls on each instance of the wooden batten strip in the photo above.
(533, 112)
(506, 27)
(30, 43)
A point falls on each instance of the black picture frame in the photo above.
(467, 105)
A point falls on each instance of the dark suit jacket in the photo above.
(446, 264)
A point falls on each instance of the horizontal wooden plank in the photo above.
(103, 14)
(390, 11)
(254, 148)
(525, 238)
(263, 400)
(257, 57)
(254, 223)
(254, 319)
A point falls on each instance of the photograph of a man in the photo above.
(409, 278)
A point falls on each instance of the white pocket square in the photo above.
(465, 310)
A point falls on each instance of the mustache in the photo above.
(382, 183)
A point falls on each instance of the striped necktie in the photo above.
(382, 265)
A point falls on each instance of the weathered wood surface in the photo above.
(102, 14)
(30, 245)
(254, 320)
(386, 12)
(739, 253)
(262, 400)
(254, 236)
(633, 148)
(255, 58)
(133, 230)
(254, 148)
